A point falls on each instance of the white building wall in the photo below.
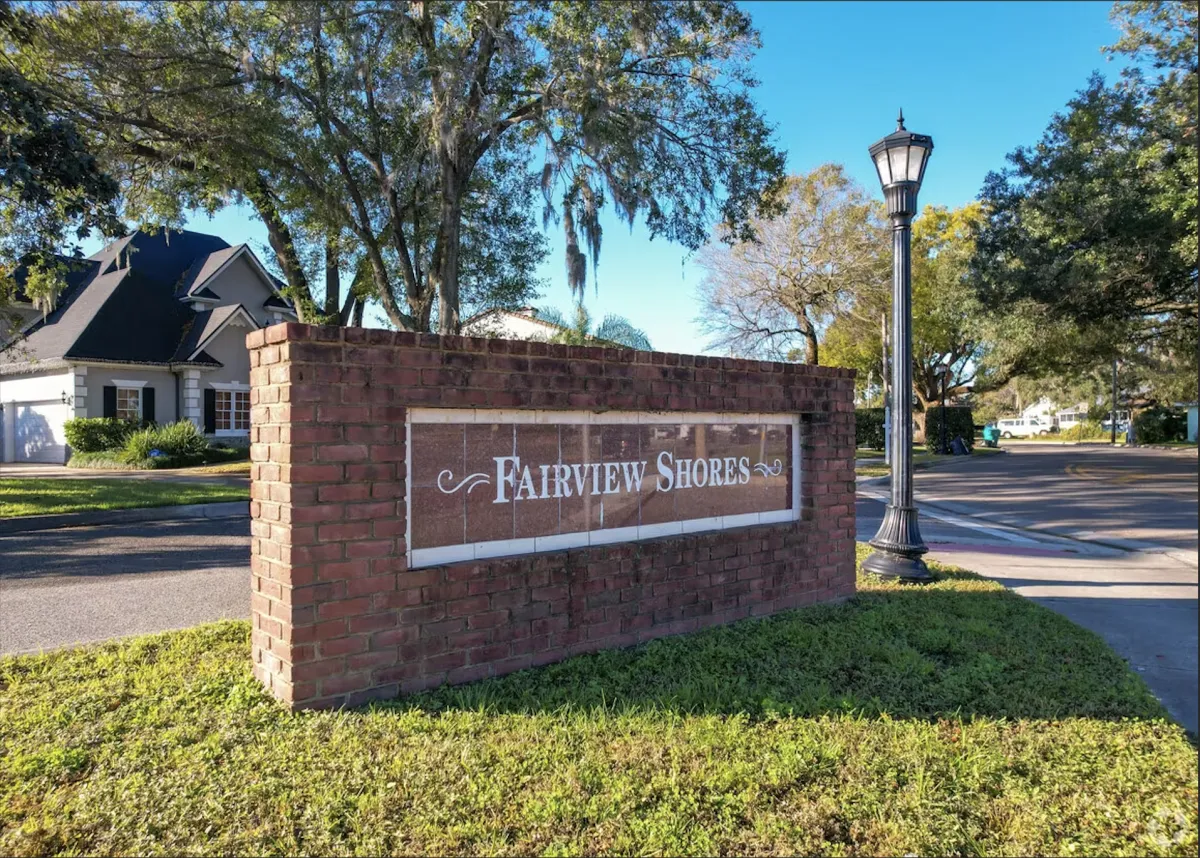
(509, 326)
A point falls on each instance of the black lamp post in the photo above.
(900, 159)
(944, 371)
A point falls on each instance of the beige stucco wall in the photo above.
(166, 407)
(229, 347)
(241, 284)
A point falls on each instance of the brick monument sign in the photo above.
(430, 509)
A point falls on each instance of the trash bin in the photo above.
(991, 435)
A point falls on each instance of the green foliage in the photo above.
(1094, 228)
(954, 719)
(50, 183)
(959, 424)
(45, 496)
(868, 428)
(1085, 430)
(179, 444)
(405, 134)
(612, 331)
(96, 434)
(1159, 425)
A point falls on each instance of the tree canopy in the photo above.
(401, 140)
(825, 256)
(1095, 225)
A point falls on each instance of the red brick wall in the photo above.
(338, 619)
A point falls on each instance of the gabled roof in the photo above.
(120, 304)
(206, 325)
(205, 268)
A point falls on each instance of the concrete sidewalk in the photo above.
(1143, 605)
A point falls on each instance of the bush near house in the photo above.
(97, 434)
(960, 423)
(180, 444)
(107, 443)
(1158, 425)
(1086, 430)
(868, 428)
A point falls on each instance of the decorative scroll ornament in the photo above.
(770, 470)
(470, 482)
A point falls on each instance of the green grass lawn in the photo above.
(922, 458)
(37, 496)
(953, 719)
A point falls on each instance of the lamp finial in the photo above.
(900, 121)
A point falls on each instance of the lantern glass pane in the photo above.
(916, 155)
(899, 167)
(881, 165)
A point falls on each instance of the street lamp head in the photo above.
(900, 160)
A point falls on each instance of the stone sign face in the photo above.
(490, 483)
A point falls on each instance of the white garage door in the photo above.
(38, 432)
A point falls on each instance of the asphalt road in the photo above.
(1100, 493)
(84, 584)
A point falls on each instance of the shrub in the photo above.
(1086, 430)
(868, 428)
(1158, 425)
(178, 444)
(959, 424)
(96, 434)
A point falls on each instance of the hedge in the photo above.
(96, 434)
(959, 424)
(868, 428)
(1158, 425)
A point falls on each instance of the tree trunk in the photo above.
(446, 272)
(333, 282)
(280, 238)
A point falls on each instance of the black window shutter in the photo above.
(110, 400)
(148, 404)
(210, 411)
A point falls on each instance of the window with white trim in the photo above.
(233, 410)
(129, 403)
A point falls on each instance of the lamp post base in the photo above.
(898, 547)
(898, 566)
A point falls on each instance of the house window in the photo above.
(129, 403)
(233, 411)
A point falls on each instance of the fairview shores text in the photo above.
(532, 482)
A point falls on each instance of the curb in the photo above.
(26, 524)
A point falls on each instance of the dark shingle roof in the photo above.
(120, 303)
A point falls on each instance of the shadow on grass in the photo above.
(960, 647)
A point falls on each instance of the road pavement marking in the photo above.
(1119, 475)
(957, 521)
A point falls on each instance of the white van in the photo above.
(1023, 427)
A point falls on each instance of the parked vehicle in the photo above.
(1024, 427)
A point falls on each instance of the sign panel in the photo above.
(487, 483)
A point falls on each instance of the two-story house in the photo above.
(153, 327)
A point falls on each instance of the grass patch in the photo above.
(922, 459)
(37, 496)
(216, 460)
(953, 719)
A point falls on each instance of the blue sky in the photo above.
(980, 78)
